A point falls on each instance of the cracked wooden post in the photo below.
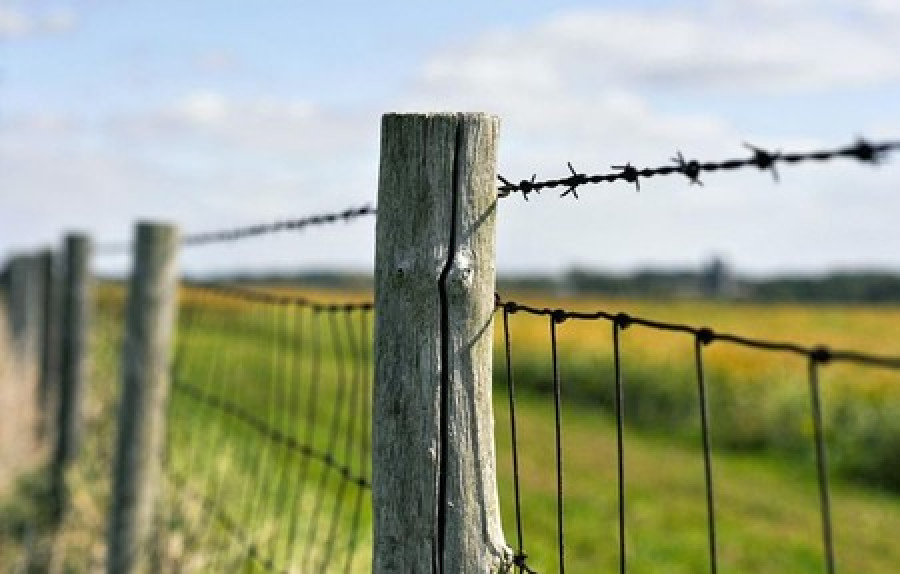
(434, 485)
(147, 357)
(73, 339)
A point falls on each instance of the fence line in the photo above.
(297, 373)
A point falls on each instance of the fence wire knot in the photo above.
(622, 320)
(705, 335)
(820, 354)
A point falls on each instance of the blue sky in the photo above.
(218, 113)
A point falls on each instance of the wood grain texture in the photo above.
(147, 356)
(415, 206)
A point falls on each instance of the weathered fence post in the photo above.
(73, 357)
(24, 311)
(49, 374)
(434, 484)
(146, 359)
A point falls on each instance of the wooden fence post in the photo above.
(434, 483)
(76, 299)
(24, 310)
(49, 373)
(147, 356)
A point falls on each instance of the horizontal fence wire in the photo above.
(816, 356)
(820, 353)
(269, 428)
(249, 231)
(762, 159)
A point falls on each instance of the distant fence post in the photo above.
(49, 367)
(73, 357)
(24, 311)
(147, 355)
(434, 483)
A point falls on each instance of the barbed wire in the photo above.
(238, 233)
(766, 160)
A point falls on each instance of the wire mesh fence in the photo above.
(269, 431)
(614, 398)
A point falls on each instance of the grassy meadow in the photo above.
(245, 404)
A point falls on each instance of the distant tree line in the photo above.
(712, 281)
(716, 281)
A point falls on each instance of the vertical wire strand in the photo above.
(279, 422)
(249, 489)
(341, 404)
(560, 526)
(620, 445)
(297, 350)
(178, 359)
(511, 392)
(215, 444)
(362, 363)
(312, 407)
(821, 463)
(208, 373)
(324, 477)
(707, 456)
(281, 510)
(272, 407)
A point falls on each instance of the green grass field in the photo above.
(246, 498)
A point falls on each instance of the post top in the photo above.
(439, 115)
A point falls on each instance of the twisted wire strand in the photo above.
(862, 150)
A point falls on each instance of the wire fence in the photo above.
(268, 459)
(816, 358)
(269, 428)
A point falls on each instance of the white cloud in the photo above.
(59, 20)
(760, 46)
(202, 108)
(17, 23)
(13, 23)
